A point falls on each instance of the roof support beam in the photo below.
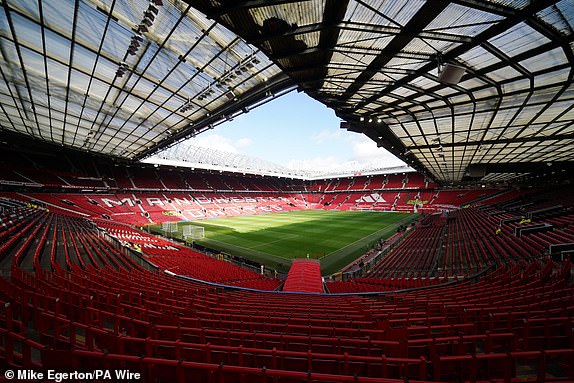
(487, 6)
(333, 14)
(426, 14)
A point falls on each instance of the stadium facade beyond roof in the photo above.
(130, 78)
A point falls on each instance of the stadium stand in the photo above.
(102, 308)
(450, 292)
(99, 100)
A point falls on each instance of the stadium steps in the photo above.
(304, 276)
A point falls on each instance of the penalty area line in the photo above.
(230, 246)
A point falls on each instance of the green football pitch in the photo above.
(336, 238)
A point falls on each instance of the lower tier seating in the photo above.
(513, 324)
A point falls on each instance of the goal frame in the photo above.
(193, 232)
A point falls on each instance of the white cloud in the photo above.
(326, 135)
(365, 150)
(244, 142)
(216, 141)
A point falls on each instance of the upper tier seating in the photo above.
(146, 179)
(415, 180)
(144, 208)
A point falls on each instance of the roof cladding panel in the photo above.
(389, 12)
(478, 56)
(556, 16)
(304, 13)
(429, 46)
(462, 21)
(518, 39)
(364, 41)
(544, 61)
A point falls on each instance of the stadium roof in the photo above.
(186, 154)
(122, 77)
(130, 78)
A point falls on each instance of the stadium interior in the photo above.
(98, 100)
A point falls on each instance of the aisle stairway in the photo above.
(304, 276)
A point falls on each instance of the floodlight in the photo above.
(149, 15)
(147, 21)
(152, 8)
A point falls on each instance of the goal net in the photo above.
(193, 232)
(169, 227)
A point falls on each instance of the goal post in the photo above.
(193, 232)
(169, 228)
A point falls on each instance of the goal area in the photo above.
(193, 232)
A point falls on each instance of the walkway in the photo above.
(304, 276)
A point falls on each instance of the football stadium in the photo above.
(130, 252)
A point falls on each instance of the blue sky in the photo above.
(297, 132)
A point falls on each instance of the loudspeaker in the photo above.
(476, 170)
(450, 74)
